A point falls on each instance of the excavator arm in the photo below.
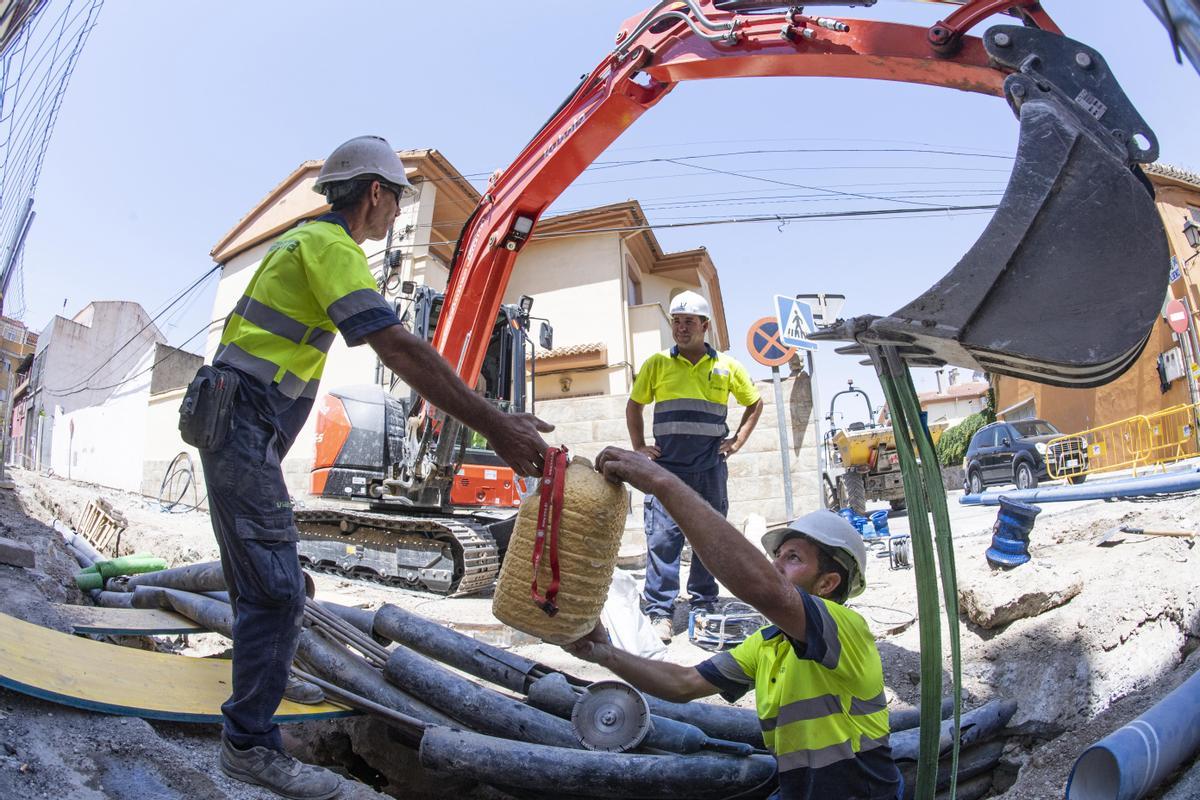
(1076, 204)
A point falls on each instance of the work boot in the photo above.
(664, 629)
(279, 772)
(299, 691)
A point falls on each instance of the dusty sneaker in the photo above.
(299, 691)
(663, 629)
(279, 772)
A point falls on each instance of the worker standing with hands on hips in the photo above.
(690, 385)
(313, 284)
(815, 670)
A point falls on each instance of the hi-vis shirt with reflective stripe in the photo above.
(691, 403)
(313, 281)
(820, 702)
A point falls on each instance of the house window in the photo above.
(633, 285)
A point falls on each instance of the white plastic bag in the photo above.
(627, 626)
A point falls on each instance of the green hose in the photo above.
(924, 494)
(93, 577)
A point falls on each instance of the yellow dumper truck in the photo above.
(861, 463)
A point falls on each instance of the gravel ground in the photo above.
(1078, 671)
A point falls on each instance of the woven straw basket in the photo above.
(593, 518)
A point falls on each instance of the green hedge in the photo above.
(953, 445)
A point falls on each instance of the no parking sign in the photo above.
(764, 344)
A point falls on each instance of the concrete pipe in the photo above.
(1132, 761)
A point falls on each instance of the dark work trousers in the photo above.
(664, 543)
(252, 519)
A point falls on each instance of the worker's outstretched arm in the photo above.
(515, 437)
(745, 428)
(660, 678)
(637, 430)
(732, 560)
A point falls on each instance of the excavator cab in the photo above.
(362, 431)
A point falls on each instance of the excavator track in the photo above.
(435, 554)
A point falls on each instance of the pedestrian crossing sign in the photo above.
(795, 322)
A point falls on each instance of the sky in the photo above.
(181, 116)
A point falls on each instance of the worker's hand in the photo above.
(649, 451)
(517, 439)
(625, 465)
(729, 446)
(594, 647)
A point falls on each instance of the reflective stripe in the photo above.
(294, 387)
(767, 725)
(321, 339)
(867, 743)
(730, 669)
(688, 404)
(863, 707)
(690, 429)
(815, 759)
(809, 708)
(356, 302)
(235, 356)
(270, 320)
(829, 632)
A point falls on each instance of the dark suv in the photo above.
(1015, 452)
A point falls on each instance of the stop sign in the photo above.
(1177, 316)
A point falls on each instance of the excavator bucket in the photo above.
(1065, 283)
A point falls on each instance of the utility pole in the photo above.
(10, 261)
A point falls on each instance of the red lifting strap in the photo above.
(554, 477)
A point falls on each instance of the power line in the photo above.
(207, 327)
(108, 364)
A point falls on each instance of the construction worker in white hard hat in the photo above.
(815, 669)
(690, 385)
(312, 285)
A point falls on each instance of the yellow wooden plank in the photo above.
(92, 675)
(127, 621)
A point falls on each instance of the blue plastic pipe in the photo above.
(1126, 487)
(1131, 762)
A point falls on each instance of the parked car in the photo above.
(1015, 452)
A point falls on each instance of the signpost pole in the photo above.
(816, 412)
(781, 421)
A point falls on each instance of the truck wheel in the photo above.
(1024, 477)
(831, 493)
(854, 492)
(1075, 480)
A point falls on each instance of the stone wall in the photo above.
(589, 424)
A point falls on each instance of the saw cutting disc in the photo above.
(611, 716)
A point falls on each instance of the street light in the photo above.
(1191, 232)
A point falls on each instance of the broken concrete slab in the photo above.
(16, 554)
(993, 598)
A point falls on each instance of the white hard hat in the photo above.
(690, 303)
(363, 155)
(844, 543)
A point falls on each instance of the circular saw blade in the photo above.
(611, 716)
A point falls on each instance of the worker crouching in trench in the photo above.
(815, 670)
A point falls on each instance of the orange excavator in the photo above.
(1062, 286)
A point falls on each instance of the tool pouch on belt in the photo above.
(207, 408)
